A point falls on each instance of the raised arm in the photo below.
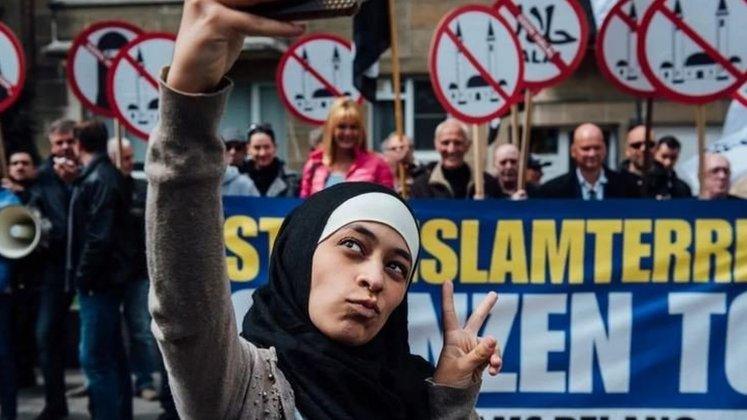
(208, 365)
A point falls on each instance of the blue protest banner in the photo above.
(607, 310)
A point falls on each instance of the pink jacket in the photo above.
(368, 166)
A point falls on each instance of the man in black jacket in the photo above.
(51, 195)
(96, 261)
(589, 179)
(662, 180)
(26, 274)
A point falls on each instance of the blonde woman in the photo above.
(343, 156)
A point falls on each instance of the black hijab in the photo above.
(378, 380)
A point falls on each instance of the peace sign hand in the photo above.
(464, 356)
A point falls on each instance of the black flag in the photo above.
(371, 37)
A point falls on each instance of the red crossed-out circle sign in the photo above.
(694, 51)
(741, 94)
(90, 59)
(316, 70)
(476, 64)
(553, 35)
(616, 48)
(133, 81)
(12, 68)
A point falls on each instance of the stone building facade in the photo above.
(47, 27)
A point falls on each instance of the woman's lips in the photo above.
(364, 308)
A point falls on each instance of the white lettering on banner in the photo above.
(535, 346)
(499, 325)
(595, 336)
(589, 335)
(696, 310)
(426, 337)
(736, 343)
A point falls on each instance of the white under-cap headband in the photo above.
(376, 207)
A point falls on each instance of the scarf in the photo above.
(263, 177)
(330, 380)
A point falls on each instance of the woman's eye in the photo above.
(352, 245)
(399, 269)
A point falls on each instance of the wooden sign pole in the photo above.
(700, 122)
(478, 164)
(526, 138)
(648, 157)
(514, 138)
(118, 135)
(398, 117)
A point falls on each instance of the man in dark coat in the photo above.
(638, 158)
(588, 179)
(26, 274)
(51, 195)
(96, 264)
(451, 177)
(662, 181)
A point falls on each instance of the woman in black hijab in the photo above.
(327, 336)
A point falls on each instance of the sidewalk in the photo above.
(31, 402)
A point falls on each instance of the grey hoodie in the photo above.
(236, 183)
(213, 373)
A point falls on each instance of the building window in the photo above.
(427, 114)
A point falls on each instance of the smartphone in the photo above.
(286, 10)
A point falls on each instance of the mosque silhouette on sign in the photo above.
(475, 88)
(698, 66)
(322, 97)
(625, 68)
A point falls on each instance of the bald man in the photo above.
(451, 177)
(589, 179)
(717, 178)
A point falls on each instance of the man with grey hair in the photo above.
(716, 178)
(52, 198)
(451, 177)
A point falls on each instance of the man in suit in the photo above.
(588, 179)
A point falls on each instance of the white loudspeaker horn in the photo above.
(20, 231)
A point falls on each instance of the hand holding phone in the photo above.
(287, 10)
(210, 38)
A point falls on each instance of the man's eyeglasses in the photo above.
(637, 145)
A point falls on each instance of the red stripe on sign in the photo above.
(142, 71)
(97, 53)
(536, 36)
(702, 43)
(316, 74)
(476, 64)
(630, 23)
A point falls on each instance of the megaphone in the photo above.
(21, 231)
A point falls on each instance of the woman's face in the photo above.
(359, 275)
(347, 134)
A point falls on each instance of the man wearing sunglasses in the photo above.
(639, 153)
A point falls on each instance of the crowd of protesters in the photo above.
(95, 250)
(341, 155)
(94, 254)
